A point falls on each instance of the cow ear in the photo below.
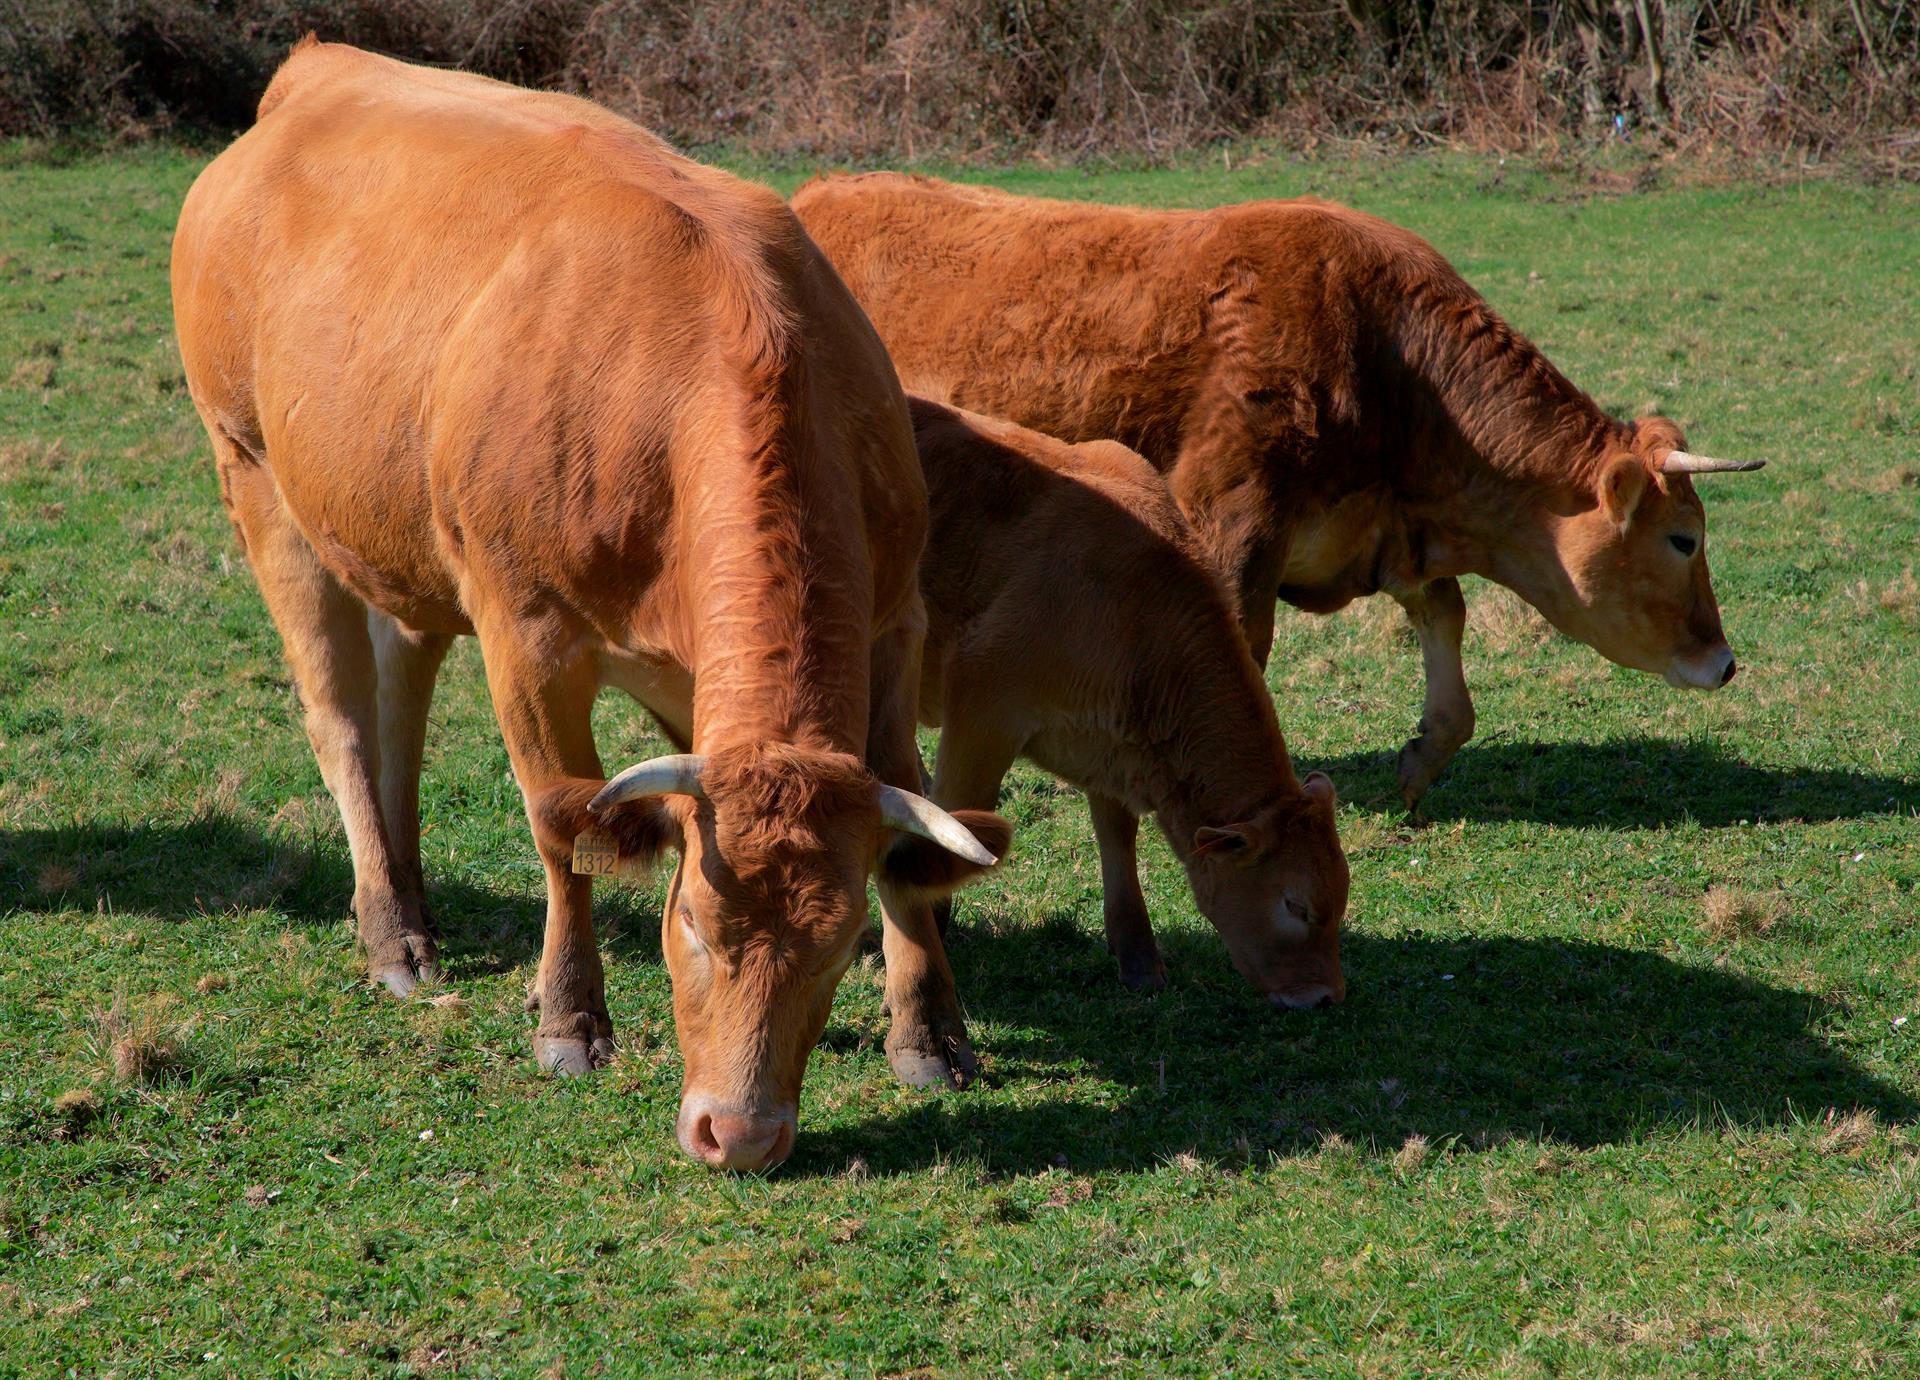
(929, 871)
(1319, 789)
(1622, 485)
(1235, 839)
(641, 829)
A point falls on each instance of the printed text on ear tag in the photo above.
(595, 853)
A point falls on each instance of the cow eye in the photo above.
(1685, 545)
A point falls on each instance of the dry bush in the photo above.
(135, 65)
(142, 1045)
(888, 79)
(1731, 912)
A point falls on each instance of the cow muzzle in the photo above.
(1313, 996)
(1708, 670)
(724, 1137)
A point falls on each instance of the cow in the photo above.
(1070, 622)
(1337, 411)
(475, 359)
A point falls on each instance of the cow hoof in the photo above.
(1416, 773)
(956, 1068)
(568, 1057)
(399, 981)
(400, 955)
(404, 977)
(1141, 967)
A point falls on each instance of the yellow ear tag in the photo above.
(596, 853)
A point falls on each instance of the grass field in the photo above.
(1628, 1080)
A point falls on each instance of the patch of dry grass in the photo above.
(1803, 503)
(142, 1043)
(75, 1110)
(1888, 481)
(1731, 913)
(35, 373)
(1849, 1131)
(1504, 622)
(436, 1016)
(1379, 625)
(1901, 597)
(21, 459)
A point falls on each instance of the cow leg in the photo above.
(324, 629)
(972, 760)
(1439, 617)
(1129, 927)
(409, 664)
(543, 697)
(927, 1043)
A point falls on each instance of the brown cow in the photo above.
(1069, 622)
(1337, 411)
(482, 360)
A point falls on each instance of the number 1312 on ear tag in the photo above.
(595, 853)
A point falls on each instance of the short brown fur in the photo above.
(482, 360)
(1337, 411)
(1070, 622)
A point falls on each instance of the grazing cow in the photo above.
(1337, 412)
(1069, 622)
(481, 360)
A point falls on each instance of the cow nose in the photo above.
(744, 1144)
(1706, 670)
(1315, 998)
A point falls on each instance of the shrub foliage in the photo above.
(1065, 78)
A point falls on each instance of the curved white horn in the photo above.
(915, 814)
(675, 775)
(1679, 462)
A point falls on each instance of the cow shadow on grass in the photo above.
(1472, 1041)
(1623, 783)
(1582, 1044)
(215, 864)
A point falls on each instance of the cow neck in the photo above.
(782, 604)
(1497, 411)
(1199, 743)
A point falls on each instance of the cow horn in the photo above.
(915, 814)
(1679, 462)
(675, 775)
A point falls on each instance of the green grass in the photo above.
(1573, 1118)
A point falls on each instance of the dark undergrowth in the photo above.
(1736, 80)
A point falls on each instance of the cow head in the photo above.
(1628, 575)
(1275, 886)
(764, 912)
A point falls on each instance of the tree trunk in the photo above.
(1656, 63)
